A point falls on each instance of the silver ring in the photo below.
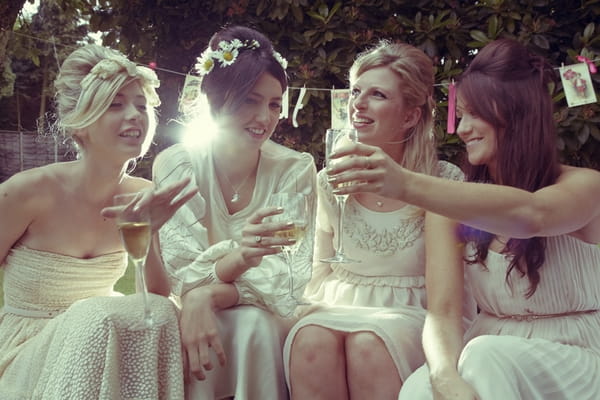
(258, 239)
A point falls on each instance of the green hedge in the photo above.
(321, 38)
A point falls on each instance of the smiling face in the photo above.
(255, 120)
(122, 130)
(378, 110)
(479, 136)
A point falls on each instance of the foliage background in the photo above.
(320, 40)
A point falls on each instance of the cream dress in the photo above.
(385, 292)
(65, 335)
(202, 232)
(511, 356)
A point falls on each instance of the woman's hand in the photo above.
(199, 333)
(452, 387)
(258, 238)
(365, 169)
(162, 203)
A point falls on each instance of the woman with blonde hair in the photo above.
(362, 337)
(64, 334)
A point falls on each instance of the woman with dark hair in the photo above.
(221, 254)
(531, 228)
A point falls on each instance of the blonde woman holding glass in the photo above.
(64, 332)
(362, 337)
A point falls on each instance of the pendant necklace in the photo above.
(236, 191)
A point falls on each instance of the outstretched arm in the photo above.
(570, 206)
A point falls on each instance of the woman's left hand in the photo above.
(360, 168)
(162, 203)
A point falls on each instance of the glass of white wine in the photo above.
(334, 138)
(295, 209)
(136, 233)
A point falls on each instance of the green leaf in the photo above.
(541, 41)
(493, 26)
(589, 30)
(479, 36)
(584, 134)
(323, 10)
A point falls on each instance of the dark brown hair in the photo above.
(507, 86)
(226, 88)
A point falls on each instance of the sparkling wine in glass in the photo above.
(136, 233)
(295, 209)
(334, 138)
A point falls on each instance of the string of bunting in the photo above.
(575, 78)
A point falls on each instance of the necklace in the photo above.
(379, 203)
(236, 191)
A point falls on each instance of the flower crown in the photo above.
(227, 53)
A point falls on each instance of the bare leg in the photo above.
(317, 364)
(371, 372)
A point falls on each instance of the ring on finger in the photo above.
(368, 164)
(258, 238)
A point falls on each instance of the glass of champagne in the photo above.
(136, 233)
(334, 138)
(295, 209)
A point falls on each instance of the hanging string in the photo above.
(579, 58)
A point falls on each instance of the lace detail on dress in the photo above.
(384, 242)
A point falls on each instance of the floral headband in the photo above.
(227, 53)
(109, 67)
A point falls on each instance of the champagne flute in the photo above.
(295, 209)
(334, 138)
(136, 233)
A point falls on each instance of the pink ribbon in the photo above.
(451, 123)
(589, 62)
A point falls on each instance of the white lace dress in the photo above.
(385, 292)
(511, 356)
(65, 335)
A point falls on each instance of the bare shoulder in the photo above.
(580, 174)
(36, 185)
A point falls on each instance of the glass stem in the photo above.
(141, 286)
(341, 201)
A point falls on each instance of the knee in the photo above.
(417, 386)
(488, 350)
(315, 346)
(365, 349)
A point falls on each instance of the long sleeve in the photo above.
(202, 231)
(188, 257)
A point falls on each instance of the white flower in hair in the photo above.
(205, 63)
(282, 61)
(226, 54)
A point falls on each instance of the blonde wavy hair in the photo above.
(415, 70)
(89, 79)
